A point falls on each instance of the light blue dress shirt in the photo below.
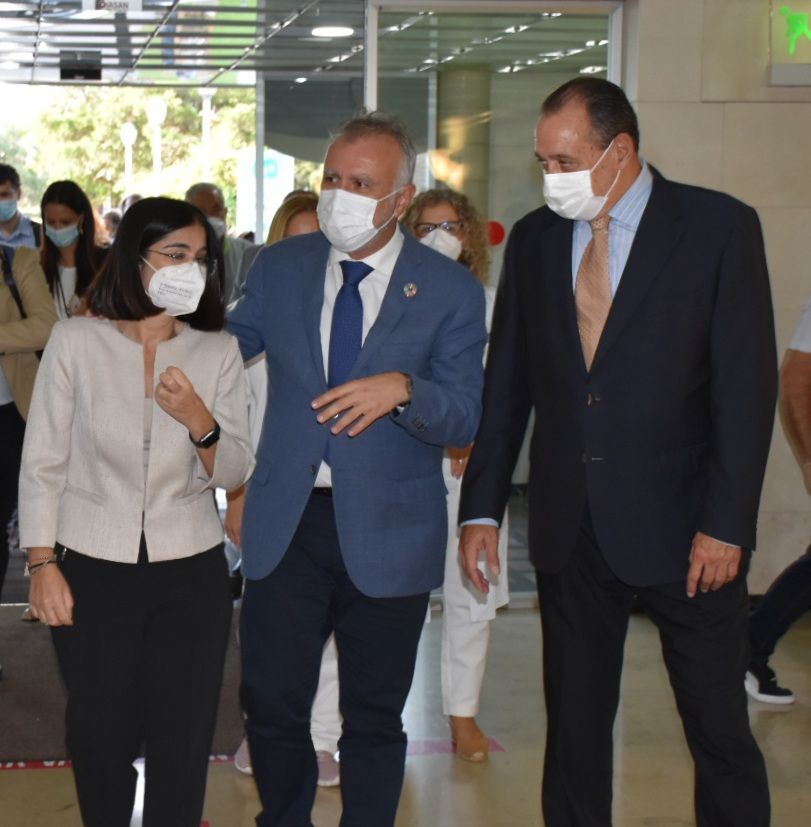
(23, 235)
(625, 217)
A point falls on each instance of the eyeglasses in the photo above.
(453, 227)
(207, 265)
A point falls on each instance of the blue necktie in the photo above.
(347, 323)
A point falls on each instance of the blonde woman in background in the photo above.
(296, 216)
(447, 222)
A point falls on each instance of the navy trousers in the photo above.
(787, 599)
(286, 618)
(584, 613)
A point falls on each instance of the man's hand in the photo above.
(712, 564)
(458, 458)
(359, 403)
(233, 515)
(473, 540)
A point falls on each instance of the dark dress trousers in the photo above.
(667, 435)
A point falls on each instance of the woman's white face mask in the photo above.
(177, 288)
(347, 219)
(443, 242)
(570, 194)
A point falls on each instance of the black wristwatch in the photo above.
(207, 439)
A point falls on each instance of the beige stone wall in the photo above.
(696, 71)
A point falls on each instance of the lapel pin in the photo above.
(410, 290)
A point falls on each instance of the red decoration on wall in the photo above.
(495, 233)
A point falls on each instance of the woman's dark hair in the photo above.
(90, 253)
(118, 292)
(609, 110)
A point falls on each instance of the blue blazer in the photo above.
(388, 491)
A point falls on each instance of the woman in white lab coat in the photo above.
(446, 221)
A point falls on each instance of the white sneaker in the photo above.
(329, 770)
(242, 758)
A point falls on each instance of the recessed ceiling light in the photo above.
(603, 43)
(332, 31)
(301, 80)
(592, 70)
(591, 43)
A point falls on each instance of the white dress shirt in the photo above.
(372, 290)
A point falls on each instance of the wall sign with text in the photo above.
(790, 53)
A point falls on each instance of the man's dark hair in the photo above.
(609, 111)
(10, 175)
(118, 292)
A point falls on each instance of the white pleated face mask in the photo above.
(570, 194)
(177, 288)
(443, 242)
(347, 219)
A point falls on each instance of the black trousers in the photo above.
(286, 618)
(143, 666)
(786, 601)
(584, 613)
(12, 427)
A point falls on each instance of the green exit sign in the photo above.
(790, 58)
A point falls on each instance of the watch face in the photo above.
(210, 438)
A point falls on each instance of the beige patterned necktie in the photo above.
(592, 289)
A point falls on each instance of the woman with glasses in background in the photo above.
(73, 245)
(447, 222)
(138, 413)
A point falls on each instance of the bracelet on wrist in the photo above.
(33, 568)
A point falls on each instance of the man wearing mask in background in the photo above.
(237, 252)
(374, 346)
(16, 229)
(634, 315)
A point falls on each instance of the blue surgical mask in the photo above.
(8, 209)
(63, 237)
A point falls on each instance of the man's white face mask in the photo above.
(347, 219)
(570, 194)
(218, 225)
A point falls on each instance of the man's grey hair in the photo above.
(203, 186)
(381, 123)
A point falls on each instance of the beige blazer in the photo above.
(82, 479)
(20, 338)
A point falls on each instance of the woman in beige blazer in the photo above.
(138, 413)
(22, 334)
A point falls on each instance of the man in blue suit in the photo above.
(373, 347)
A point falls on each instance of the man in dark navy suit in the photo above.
(634, 316)
(373, 345)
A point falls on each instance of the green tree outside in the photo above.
(77, 137)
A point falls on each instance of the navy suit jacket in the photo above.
(388, 490)
(669, 432)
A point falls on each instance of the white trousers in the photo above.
(325, 720)
(466, 616)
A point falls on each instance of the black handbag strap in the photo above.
(8, 277)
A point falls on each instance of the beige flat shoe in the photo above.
(470, 742)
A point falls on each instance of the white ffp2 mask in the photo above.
(177, 288)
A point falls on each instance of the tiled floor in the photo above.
(653, 769)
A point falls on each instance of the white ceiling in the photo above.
(226, 42)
